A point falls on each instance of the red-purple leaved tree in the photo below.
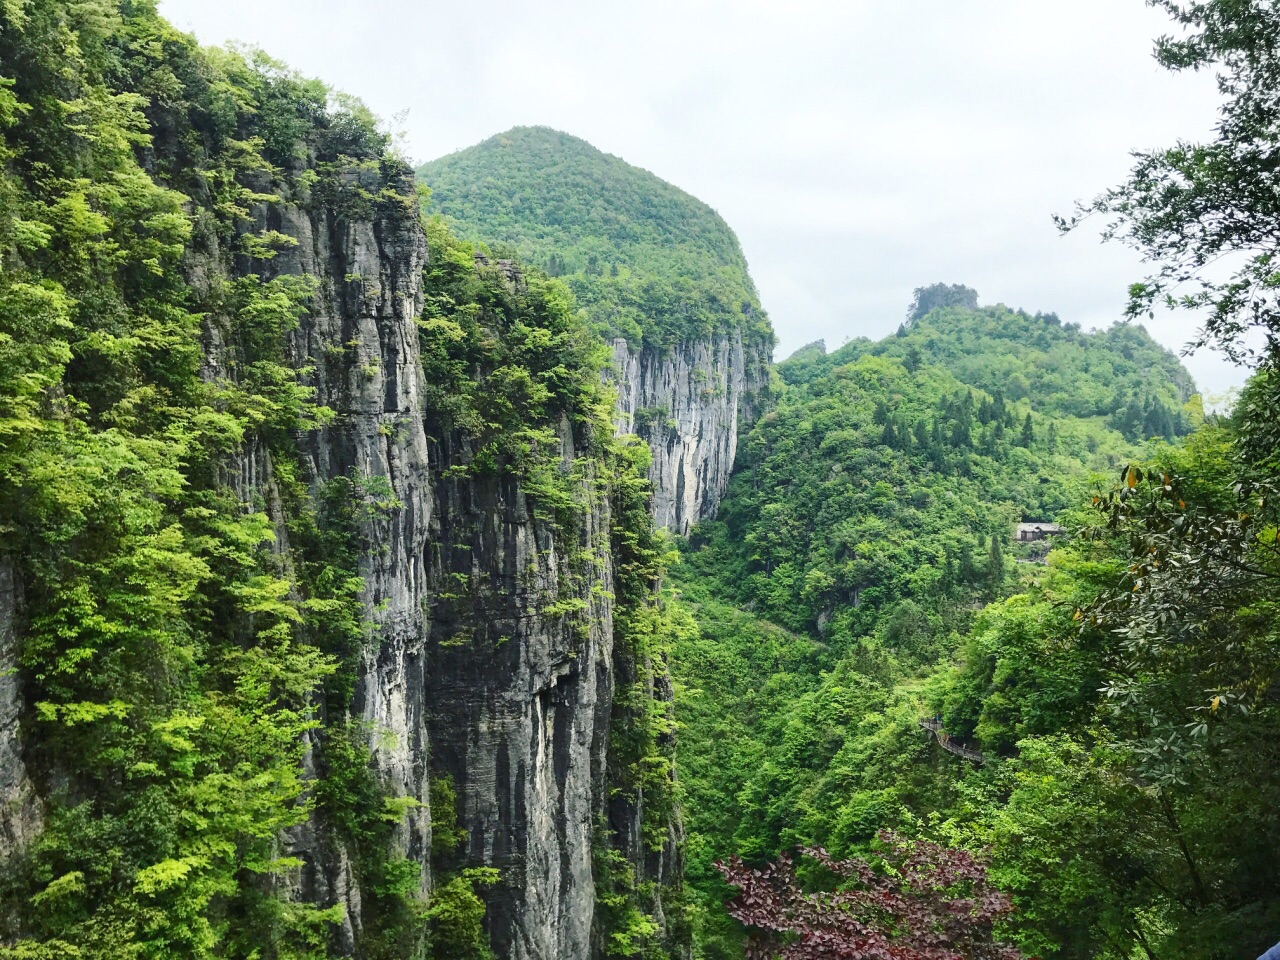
(929, 902)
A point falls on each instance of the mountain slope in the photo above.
(870, 516)
(1057, 368)
(654, 270)
(648, 261)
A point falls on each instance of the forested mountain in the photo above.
(652, 269)
(646, 260)
(887, 471)
(1119, 373)
(859, 579)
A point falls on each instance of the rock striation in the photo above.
(20, 810)
(358, 344)
(688, 403)
(520, 697)
(476, 670)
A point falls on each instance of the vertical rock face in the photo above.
(520, 693)
(20, 813)
(688, 404)
(491, 656)
(360, 342)
(357, 346)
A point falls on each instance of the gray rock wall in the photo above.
(520, 695)
(490, 656)
(20, 810)
(689, 403)
(360, 342)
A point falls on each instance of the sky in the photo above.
(858, 148)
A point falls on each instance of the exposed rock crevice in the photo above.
(520, 698)
(689, 404)
(21, 814)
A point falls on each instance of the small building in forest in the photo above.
(1030, 532)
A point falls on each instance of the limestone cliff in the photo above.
(520, 692)
(492, 657)
(688, 403)
(326, 578)
(358, 345)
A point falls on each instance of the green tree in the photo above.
(1196, 204)
(995, 572)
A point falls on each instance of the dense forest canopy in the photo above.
(872, 512)
(1103, 722)
(645, 260)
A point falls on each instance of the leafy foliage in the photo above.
(927, 903)
(505, 359)
(1193, 206)
(643, 259)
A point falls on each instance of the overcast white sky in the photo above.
(860, 148)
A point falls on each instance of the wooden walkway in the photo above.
(953, 746)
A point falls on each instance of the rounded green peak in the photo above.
(645, 258)
(544, 190)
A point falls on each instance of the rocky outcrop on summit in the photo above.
(689, 404)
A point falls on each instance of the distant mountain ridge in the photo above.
(1120, 373)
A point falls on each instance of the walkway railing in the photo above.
(953, 746)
